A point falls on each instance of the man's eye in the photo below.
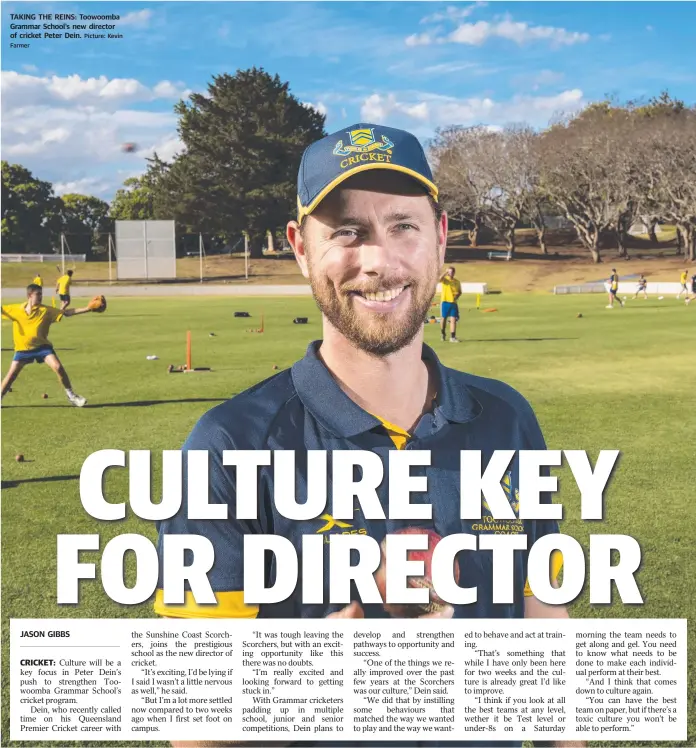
(346, 232)
(406, 227)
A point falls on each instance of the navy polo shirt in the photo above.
(304, 409)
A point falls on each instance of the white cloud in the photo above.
(378, 108)
(44, 139)
(138, 18)
(71, 130)
(410, 69)
(83, 135)
(166, 149)
(118, 88)
(520, 32)
(375, 109)
(437, 111)
(169, 90)
(417, 111)
(418, 40)
(547, 77)
(537, 80)
(454, 13)
(450, 67)
(86, 186)
(19, 89)
(319, 106)
(30, 68)
(471, 33)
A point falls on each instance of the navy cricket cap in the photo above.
(335, 158)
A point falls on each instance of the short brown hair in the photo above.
(437, 208)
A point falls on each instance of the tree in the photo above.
(587, 170)
(244, 142)
(462, 193)
(539, 211)
(492, 177)
(521, 179)
(30, 212)
(658, 106)
(673, 175)
(665, 148)
(134, 201)
(509, 160)
(85, 221)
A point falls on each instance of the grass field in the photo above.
(622, 379)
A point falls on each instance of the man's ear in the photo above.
(297, 243)
(442, 236)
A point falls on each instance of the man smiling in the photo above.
(370, 236)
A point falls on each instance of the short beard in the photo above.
(384, 337)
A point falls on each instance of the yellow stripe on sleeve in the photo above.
(229, 605)
(556, 566)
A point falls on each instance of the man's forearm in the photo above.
(73, 312)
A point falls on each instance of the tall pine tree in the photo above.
(244, 140)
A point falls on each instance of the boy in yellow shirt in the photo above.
(31, 321)
(451, 291)
(613, 284)
(683, 280)
(63, 289)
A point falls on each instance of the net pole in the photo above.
(145, 243)
(246, 256)
(188, 350)
(110, 271)
(62, 252)
(200, 254)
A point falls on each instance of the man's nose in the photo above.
(375, 257)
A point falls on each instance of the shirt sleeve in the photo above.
(56, 315)
(226, 535)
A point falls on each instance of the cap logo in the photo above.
(363, 141)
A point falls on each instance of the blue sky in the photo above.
(68, 105)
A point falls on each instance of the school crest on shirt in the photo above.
(490, 524)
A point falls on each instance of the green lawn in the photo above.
(612, 379)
